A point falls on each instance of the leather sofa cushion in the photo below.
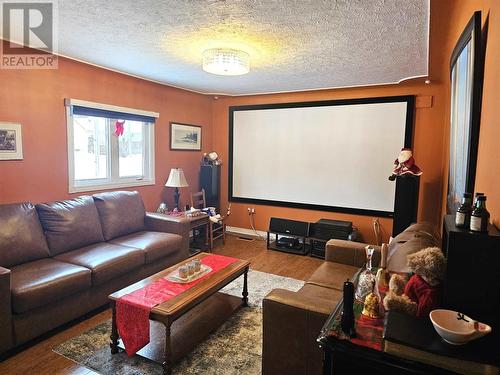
(121, 213)
(45, 281)
(155, 245)
(21, 235)
(332, 275)
(416, 237)
(70, 224)
(105, 260)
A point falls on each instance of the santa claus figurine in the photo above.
(405, 165)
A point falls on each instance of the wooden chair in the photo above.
(215, 230)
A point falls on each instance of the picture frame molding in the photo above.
(18, 153)
(171, 126)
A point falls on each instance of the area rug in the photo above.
(235, 348)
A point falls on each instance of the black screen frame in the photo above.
(408, 141)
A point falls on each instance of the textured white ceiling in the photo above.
(293, 44)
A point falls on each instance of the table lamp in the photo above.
(176, 179)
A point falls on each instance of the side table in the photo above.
(369, 352)
(198, 222)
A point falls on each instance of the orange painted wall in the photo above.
(35, 98)
(488, 163)
(429, 133)
(428, 143)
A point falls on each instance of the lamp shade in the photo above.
(176, 178)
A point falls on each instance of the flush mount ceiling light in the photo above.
(226, 61)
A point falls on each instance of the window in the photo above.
(108, 146)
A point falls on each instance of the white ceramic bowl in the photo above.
(456, 328)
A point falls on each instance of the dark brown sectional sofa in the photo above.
(61, 260)
(292, 321)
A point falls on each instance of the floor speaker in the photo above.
(210, 181)
(285, 226)
(405, 203)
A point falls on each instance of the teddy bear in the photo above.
(421, 294)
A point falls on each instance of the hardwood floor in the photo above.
(39, 359)
(278, 263)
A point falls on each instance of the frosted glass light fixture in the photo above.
(226, 61)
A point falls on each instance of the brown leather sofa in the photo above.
(292, 321)
(62, 259)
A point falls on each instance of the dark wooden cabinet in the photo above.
(401, 344)
(346, 358)
(472, 283)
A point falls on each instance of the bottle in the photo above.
(475, 198)
(366, 277)
(462, 216)
(347, 316)
(480, 215)
(476, 195)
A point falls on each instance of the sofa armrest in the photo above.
(350, 253)
(169, 224)
(299, 301)
(6, 338)
(291, 324)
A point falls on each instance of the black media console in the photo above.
(300, 237)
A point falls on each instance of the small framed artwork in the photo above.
(185, 137)
(11, 141)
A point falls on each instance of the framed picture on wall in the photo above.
(466, 69)
(185, 137)
(11, 141)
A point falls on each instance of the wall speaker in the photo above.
(405, 203)
(210, 181)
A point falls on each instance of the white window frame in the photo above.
(114, 181)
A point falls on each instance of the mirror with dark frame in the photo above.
(466, 69)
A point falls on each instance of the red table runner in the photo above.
(132, 310)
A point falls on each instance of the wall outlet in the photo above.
(251, 211)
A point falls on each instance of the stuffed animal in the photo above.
(405, 165)
(395, 299)
(421, 294)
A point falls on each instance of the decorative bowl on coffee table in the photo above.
(456, 328)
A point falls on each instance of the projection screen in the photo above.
(328, 155)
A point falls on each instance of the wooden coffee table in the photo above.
(196, 313)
